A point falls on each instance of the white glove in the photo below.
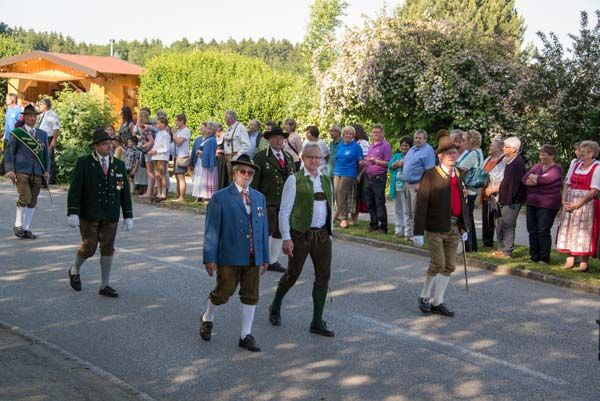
(73, 220)
(128, 224)
(465, 236)
(419, 240)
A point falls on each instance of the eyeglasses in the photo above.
(249, 173)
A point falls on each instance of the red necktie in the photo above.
(280, 160)
(104, 166)
(247, 201)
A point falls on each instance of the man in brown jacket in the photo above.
(441, 211)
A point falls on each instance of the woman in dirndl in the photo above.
(580, 218)
(204, 163)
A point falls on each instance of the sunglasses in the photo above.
(249, 173)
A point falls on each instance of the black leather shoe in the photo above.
(276, 267)
(75, 281)
(249, 343)
(274, 317)
(19, 232)
(424, 305)
(108, 291)
(371, 229)
(441, 309)
(382, 230)
(29, 235)
(206, 330)
(321, 329)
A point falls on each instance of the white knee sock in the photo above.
(105, 264)
(77, 264)
(247, 318)
(19, 217)
(274, 249)
(27, 216)
(426, 292)
(209, 315)
(441, 283)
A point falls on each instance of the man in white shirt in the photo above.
(305, 223)
(182, 155)
(48, 121)
(235, 140)
(160, 157)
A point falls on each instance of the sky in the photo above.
(99, 21)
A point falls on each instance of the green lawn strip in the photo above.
(520, 259)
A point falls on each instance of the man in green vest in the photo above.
(276, 166)
(305, 222)
(99, 191)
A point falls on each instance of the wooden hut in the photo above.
(41, 73)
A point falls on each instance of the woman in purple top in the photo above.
(543, 182)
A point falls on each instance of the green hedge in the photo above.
(203, 85)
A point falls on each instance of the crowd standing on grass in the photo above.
(292, 191)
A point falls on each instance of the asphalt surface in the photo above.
(512, 339)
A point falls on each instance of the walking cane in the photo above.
(465, 264)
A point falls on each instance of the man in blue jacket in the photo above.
(236, 247)
(27, 163)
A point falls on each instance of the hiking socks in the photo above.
(441, 284)
(27, 217)
(105, 264)
(274, 249)
(77, 264)
(209, 315)
(319, 296)
(279, 294)
(247, 318)
(426, 292)
(19, 217)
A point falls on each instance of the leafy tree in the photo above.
(427, 74)
(563, 92)
(489, 17)
(320, 33)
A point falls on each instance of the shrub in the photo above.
(80, 115)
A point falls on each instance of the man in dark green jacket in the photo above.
(276, 166)
(99, 191)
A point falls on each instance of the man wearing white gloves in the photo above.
(441, 210)
(99, 191)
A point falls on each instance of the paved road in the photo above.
(512, 339)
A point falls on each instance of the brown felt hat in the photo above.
(445, 143)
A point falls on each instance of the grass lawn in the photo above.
(519, 260)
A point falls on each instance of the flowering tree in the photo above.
(425, 74)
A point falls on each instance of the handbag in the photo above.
(182, 162)
(476, 176)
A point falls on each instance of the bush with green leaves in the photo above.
(205, 84)
(426, 74)
(80, 115)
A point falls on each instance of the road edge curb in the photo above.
(98, 371)
(498, 269)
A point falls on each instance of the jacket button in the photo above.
(247, 236)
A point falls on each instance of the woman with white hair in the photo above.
(580, 219)
(511, 195)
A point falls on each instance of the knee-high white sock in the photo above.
(247, 318)
(209, 315)
(426, 292)
(19, 217)
(27, 217)
(105, 264)
(441, 283)
(274, 249)
(77, 264)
